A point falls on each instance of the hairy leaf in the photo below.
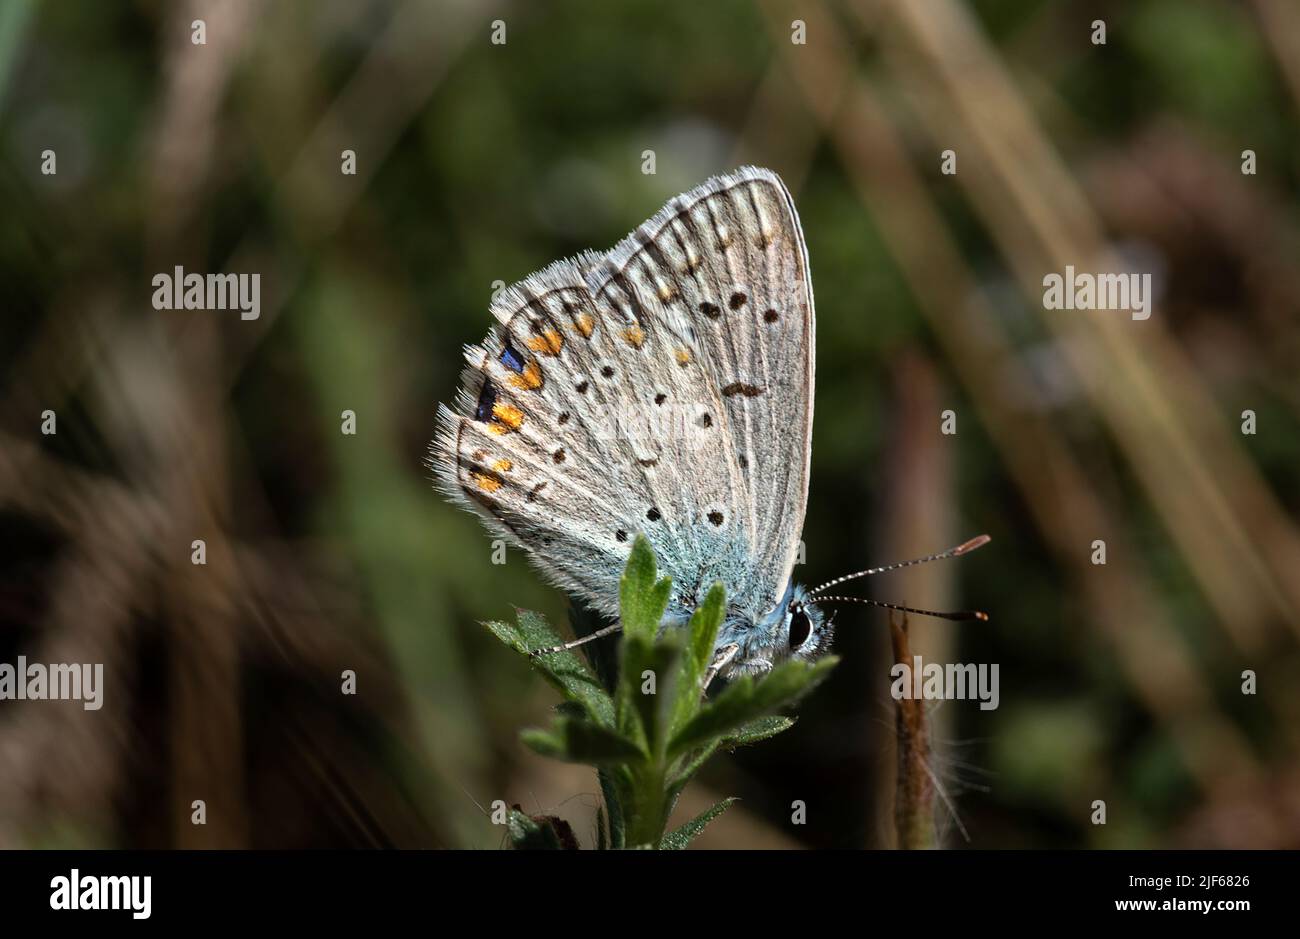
(679, 838)
(564, 670)
(642, 598)
(645, 716)
(745, 700)
(699, 654)
(757, 730)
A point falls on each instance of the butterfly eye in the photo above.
(800, 629)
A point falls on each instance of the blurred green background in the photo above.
(479, 163)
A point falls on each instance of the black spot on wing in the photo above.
(487, 399)
(741, 388)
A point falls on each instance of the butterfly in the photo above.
(664, 388)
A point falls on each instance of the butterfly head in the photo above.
(807, 630)
(797, 627)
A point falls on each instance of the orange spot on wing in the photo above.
(548, 343)
(683, 356)
(586, 324)
(507, 418)
(635, 335)
(503, 466)
(530, 379)
(485, 481)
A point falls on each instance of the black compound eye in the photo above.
(800, 629)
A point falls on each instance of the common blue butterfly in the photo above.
(664, 388)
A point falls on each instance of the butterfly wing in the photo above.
(551, 443)
(634, 393)
(523, 447)
(729, 264)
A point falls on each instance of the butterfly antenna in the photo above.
(958, 615)
(965, 547)
(598, 634)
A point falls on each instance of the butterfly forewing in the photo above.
(728, 265)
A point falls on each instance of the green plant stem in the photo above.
(651, 820)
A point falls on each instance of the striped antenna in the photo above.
(964, 548)
(959, 615)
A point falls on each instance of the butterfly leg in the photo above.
(721, 659)
(598, 634)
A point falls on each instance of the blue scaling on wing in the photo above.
(511, 359)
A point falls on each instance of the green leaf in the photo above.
(564, 670)
(760, 729)
(679, 838)
(641, 716)
(752, 732)
(703, 633)
(580, 741)
(642, 598)
(745, 700)
(571, 709)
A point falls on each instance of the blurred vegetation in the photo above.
(479, 163)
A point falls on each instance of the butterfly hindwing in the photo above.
(549, 441)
